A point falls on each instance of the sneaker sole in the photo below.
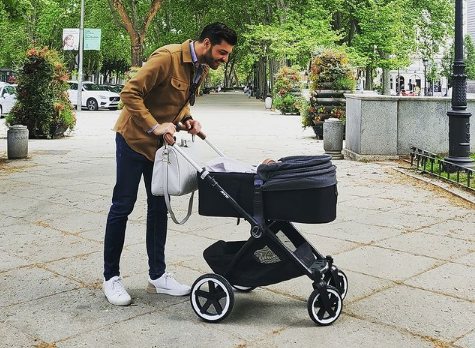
(151, 289)
(115, 303)
(126, 303)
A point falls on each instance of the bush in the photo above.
(330, 75)
(42, 98)
(331, 70)
(286, 90)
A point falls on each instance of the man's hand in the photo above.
(193, 126)
(164, 128)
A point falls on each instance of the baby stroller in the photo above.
(294, 189)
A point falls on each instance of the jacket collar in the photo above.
(185, 47)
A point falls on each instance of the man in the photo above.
(155, 100)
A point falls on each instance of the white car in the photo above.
(93, 96)
(7, 98)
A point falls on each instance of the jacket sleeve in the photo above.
(154, 72)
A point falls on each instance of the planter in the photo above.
(333, 130)
(17, 142)
(318, 129)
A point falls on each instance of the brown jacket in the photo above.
(155, 95)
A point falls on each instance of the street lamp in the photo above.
(459, 118)
(425, 61)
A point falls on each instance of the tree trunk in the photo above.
(136, 27)
(369, 78)
(137, 53)
(386, 82)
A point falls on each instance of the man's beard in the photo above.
(210, 61)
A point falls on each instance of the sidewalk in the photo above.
(407, 248)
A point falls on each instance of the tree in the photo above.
(469, 57)
(136, 17)
(43, 105)
(383, 40)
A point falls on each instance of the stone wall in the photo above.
(389, 125)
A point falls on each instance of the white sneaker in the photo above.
(167, 284)
(115, 292)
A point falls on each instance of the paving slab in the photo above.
(466, 341)
(421, 312)
(385, 263)
(36, 243)
(348, 333)
(41, 283)
(463, 229)
(12, 337)
(355, 232)
(69, 313)
(453, 279)
(427, 244)
(468, 259)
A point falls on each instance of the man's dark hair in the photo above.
(217, 32)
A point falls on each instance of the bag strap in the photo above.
(193, 88)
(169, 207)
(167, 198)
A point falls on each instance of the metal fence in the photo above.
(432, 164)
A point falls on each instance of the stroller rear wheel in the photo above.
(341, 281)
(212, 297)
(325, 310)
(243, 288)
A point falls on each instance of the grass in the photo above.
(436, 168)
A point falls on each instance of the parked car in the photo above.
(93, 96)
(112, 88)
(7, 98)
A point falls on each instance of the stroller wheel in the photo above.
(243, 288)
(324, 311)
(212, 297)
(341, 282)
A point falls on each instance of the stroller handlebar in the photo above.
(181, 127)
(170, 140)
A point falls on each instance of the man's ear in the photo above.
(207, 43)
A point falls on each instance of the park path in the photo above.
(408, 249)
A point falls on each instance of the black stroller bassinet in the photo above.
(294, 189)
(298, 189)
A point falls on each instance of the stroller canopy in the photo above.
(298, 173)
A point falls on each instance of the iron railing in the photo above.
(428, 162)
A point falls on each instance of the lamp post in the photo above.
(424, 62)
(459, 117)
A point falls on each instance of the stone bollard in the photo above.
(17, 142)
(333, 137)
(268, 102)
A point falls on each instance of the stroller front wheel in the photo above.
(324, 311)
(212, 298)
(341, 281)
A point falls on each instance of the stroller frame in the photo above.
(216, 302)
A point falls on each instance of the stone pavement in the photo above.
(408, 249)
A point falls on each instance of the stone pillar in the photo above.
(333, 137)
(17, 142)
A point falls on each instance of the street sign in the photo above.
(92, 39)
(70, 39)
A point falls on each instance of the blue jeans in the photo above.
(130, 168)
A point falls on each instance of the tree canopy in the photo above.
(376, 33)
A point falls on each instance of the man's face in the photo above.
(216, 54)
